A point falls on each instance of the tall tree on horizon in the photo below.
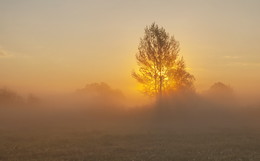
(160, 68)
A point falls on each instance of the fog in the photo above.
(99, 106)
(96, 122)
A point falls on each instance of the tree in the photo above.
(220, 92)
(100, 93)
(160, 68)
(9, 97)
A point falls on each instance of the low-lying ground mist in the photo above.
(183, 126)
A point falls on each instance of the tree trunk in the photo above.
(160, 87)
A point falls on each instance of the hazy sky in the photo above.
(60, 45)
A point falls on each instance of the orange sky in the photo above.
(60, 45)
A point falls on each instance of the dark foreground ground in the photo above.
(52, 137)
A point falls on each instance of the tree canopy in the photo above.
(161, 70)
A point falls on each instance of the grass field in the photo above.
(52, 137)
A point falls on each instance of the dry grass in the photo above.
(66, 138)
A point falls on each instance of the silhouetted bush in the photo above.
(8, 97)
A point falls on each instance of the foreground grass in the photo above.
(65, 140)
(61, 144)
